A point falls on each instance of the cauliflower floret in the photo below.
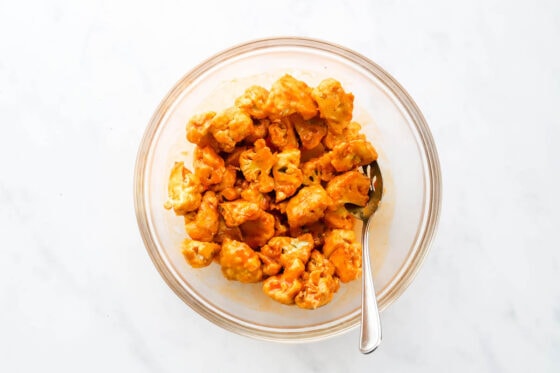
(184, 190)
(270, 267)
(287, 175)
(260, 130)
(337, 217)
(239, 262)
(307, 206)
(310, 132)
(256, 165)
(352, 132)
(316, 230)
(344, 253)
(281, 134)
(288, 96)
(319, 284)
(290, 248)
(226, 187)
(232, 159)
(233, 233)
(282, 289)
(319, 263)
(199, 254)
(252, 194)
(229, 127)
(203, 225)
(317, 170)
(335, 105)
(198, 128)
(209, 167)
(238, 212)
(349, 155)
(350, 187)
(258, 231)
(256, 225)
(252, 101)
(292, 254)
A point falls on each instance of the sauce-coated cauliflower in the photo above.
(350, 187)
(199, 254)
(198, 128)
(209, 167)
(335, 105)
(288, 96)
(256, 164)
(286, 173)
(319, 284)
(344, 253)
(203, 225)
(310, 132)
(230, 127)
(252, 101)
(239, 262)
(347, 156)
(307, 206)
(184, 190)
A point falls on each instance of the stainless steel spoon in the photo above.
(370, 326)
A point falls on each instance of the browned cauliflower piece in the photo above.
(252, 101)
(226, 187)
(260, 130)
(239, 262)
(350, 187)
(291, 248)
(310, 132)
(229, 127)
(335, 105)
(317, 170)
(288, 96)
(281, 289)
(270, 267)
(199, 254)
(252, 194)
(352, 132)
(281, 134)
(344, 253)
(203, 225)
(232, 158)
(319, 284)
(347, 156)
(286, 173)
(317, 230)
(238, 212)
(258, 231)
(184, 190)
(233, 233)
(307, 206)
(198, 128)
(209, 167)
(337, 217)
(256, 165)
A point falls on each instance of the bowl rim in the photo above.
(425, 234)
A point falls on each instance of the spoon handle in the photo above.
(370, 327)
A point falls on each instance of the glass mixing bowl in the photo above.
(402, 228)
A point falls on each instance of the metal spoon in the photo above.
(370, 326)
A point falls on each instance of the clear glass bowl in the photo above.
(402, 229)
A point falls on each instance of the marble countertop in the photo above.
(79, 82)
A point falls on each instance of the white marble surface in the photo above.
(79, 81)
